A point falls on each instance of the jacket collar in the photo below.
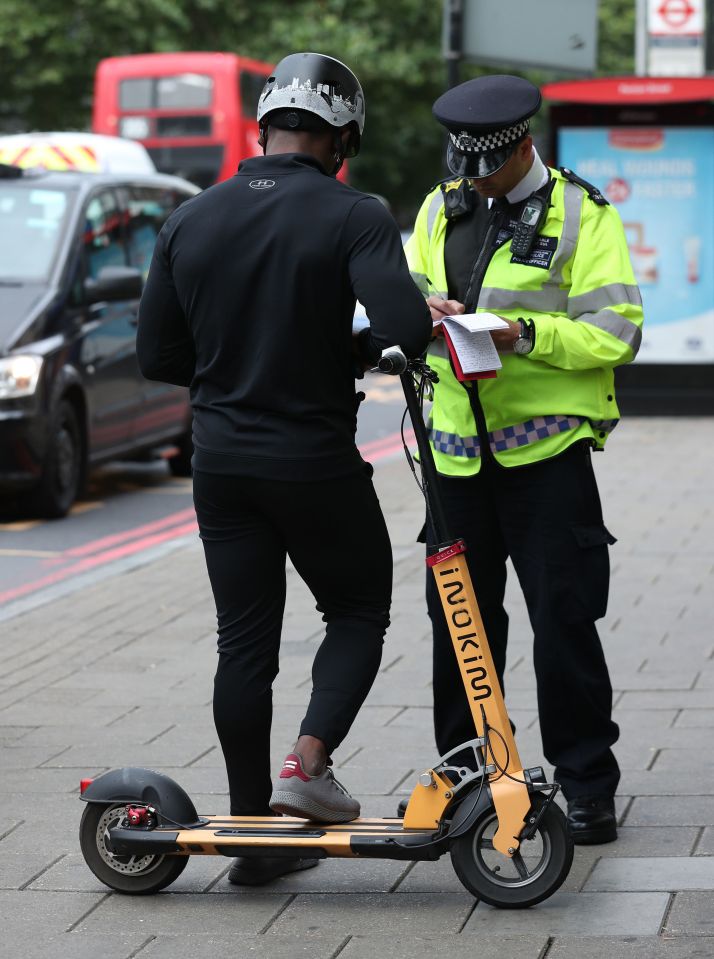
(280, 163)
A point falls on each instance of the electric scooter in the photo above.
(507, 838)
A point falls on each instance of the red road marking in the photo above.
(107, 549)
(100, 559)
(95, 545)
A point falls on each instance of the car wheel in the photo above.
(64, 465)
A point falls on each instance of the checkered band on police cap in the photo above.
(488, 142)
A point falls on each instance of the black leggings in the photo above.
(335, 535)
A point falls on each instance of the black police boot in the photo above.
(591, 820)
(258, 870)
(402, 807)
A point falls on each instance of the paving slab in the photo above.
(178, 914)
(630, 947)
(76, 945)
(577, 914)
(691, 915)
(25, 912)
(242, 947)
(652, 874)
(411, 914)
(695, 719)
(682, 781)
(455, 947)
(705, 845)
(671, 811)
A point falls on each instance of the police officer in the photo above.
(249, 302)
(544, 250)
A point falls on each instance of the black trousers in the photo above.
(334, 533)
(547, 517)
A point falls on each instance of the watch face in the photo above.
(522, 346)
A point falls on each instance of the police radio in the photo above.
(527, 227)
(530, 222)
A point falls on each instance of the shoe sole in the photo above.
(293, 804)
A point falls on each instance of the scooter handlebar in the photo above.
(392, 361)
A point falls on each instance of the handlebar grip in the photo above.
(392, 361)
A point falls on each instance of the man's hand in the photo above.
(440, 308)
(504, 339)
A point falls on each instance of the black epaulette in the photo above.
(592, 191)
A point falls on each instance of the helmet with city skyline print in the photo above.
(313, 92)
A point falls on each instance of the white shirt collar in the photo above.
(536, 177)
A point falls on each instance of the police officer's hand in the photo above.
(504, 339)
(440, 308)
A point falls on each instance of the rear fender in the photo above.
(134, 784)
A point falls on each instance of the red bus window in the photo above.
(136, 94)
(185, 91)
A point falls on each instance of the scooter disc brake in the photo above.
(127, 865)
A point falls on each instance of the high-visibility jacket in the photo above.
(587, 313)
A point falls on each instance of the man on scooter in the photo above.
(249, 302)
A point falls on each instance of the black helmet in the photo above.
(307, 85)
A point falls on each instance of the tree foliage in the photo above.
(49, 51)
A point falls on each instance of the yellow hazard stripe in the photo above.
(52, 156)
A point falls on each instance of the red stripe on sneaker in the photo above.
(292, 766)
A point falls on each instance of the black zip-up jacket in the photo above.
(249, 302)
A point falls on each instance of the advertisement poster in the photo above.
(661, 180)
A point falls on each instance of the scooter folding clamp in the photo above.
(465, 775)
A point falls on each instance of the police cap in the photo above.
(486, 118)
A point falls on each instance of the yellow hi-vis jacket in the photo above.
(587, 312)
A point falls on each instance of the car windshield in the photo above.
(32, 220)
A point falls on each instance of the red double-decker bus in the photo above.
(194, 112)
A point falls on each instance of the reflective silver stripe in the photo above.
(625, 330)
(437, 201)
(614, 294)
(438, 347)
(454, 445)
(522, 434)
(548, 300)
(421, 282)
(573, 202)
(604, 426)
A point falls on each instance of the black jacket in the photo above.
(249, 301)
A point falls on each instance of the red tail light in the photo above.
(84, 784)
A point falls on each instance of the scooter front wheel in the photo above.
(135, 875)
(536, 870)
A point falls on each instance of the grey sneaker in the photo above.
(319, 798)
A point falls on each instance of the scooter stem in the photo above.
(463, 617)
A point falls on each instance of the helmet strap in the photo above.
(339, 152)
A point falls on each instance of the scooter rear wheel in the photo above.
(134, 875)
(537, 869)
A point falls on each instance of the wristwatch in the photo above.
(526, 339)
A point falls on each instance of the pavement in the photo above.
(119, 672)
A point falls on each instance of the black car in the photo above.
(75, 249)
